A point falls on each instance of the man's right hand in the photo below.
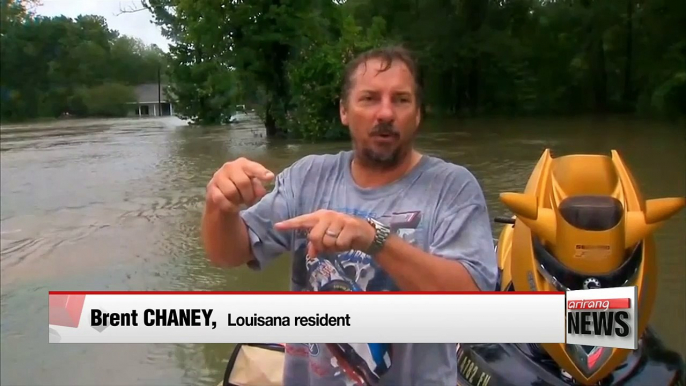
(236, 183)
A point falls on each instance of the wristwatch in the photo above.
(382, 233)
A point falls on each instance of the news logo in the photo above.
(604, 317)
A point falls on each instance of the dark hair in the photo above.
(387, 55)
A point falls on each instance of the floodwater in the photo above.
(116, 205)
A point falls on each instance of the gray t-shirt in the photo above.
(438, 207)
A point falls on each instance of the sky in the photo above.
(137, 24)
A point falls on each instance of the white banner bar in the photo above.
(307, 318)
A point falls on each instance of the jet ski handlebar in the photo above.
(504, 220)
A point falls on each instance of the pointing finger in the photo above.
(304, 221)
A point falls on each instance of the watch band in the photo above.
(382, 234)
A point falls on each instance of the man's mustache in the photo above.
(385, 129)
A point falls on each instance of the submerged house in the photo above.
(151, 101)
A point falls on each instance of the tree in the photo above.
(48, 62)
(494, 57)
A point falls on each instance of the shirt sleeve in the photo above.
(463, 233)
(278, 205)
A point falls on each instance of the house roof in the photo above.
(147, 93)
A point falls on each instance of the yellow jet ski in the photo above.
(581, 223)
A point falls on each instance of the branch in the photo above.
(31, 5)
(131, 9)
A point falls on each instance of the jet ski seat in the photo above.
(592, 212)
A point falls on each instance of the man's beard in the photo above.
(382, 160)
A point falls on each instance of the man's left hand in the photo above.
(330, 231)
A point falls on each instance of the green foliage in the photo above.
(669, 99)
(204, 81)
(286, 57)
(46, 63)
(106, 100)
(477, 57)
(316, 77)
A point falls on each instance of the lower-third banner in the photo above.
(287, 317)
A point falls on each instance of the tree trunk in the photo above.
(277, 105)
(458, 90)
(473, 86)
(270, 122)
(599, 76)
(476, 13)
(595, 52)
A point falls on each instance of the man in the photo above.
(382, 217)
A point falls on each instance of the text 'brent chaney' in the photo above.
(193, 317)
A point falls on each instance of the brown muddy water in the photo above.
(116, 205)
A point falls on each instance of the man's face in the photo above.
(382, 113)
